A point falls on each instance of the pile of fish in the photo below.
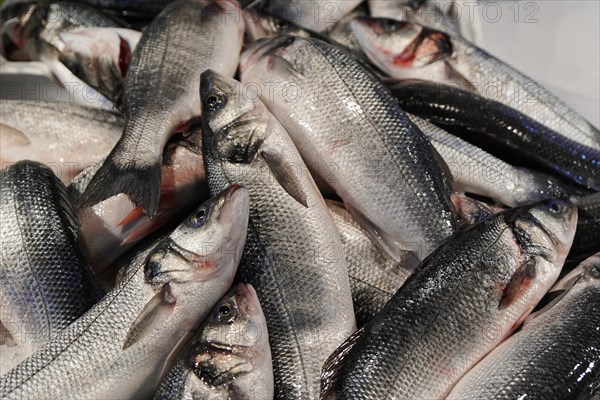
(292, 200)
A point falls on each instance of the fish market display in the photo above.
(66, 137)
(358, 140)
(488, 277)
(122, 346)
(160, 94)
(556, 353)
(293, 256)
(392, 207)
(45, 284)
(229, 357)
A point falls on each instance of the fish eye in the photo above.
(391, 25)
(214, 102)
(226, 313)
(280, 25)
(556, 208)
(198, 218)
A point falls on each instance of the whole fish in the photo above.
(554, 356)
(374, 276)
(160, 95)
(45, 283)
(513, 131)
(113, 226)
(408, 50)
(293, 255)
(458, 305)
(352, 133)
(123, 345)
(315, 15)
(432, 14)
(66, 137)
(228, 358)
(476, 171)
(100, 57)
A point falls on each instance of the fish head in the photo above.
(208, 243)
(393, 44)
(234, 122)
(233, 340)
(260, 25)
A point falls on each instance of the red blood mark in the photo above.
(336, 143)
(124, 56)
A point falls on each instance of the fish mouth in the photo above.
(236, 202)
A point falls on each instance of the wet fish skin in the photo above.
(229, 357)
(488, 278)
(161, 93)
(293, 255)
(432, 14)
(45, 283)
(113, 226)
(66, 137)
(407, 50)
(555, 354)
(448, 106)
(351, 131)
(122, 346)
(587, 237)
(476, 171)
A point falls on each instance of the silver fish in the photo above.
(45, 283)
(122, 346)
(160, 94)
(407, 50)
(458, 305)
(228, 358)
(554, 356)
(352, 133)
(66, 137)
(476, 171)
(293, 255)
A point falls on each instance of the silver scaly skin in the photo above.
(351, 132)
(228, 358)
(293, 254)
(459, 304)
(123, 345)
(160, 95)
(554, 356)
(407, 50)
(45, 283)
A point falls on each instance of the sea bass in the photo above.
(458, 305)
(123, 345)
(351, 132)
(408, 50)
(66, 137)
(556, 353)
(45, 284)
(228, 358)
(160, 95)
(293, 255)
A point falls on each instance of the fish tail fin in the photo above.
(140, 183)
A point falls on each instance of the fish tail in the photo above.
(140, 183)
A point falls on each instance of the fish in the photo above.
(113, 226)
(476, 171)
(146, 8)
(555, 355)
(471, 211)
(351, 132)
(318, 16)
(229, 357)
(406, 50)
(160, 94)
(124, 344)
(374, 276)
(293, 256)
(45, 283)
(451, 107)
(66, 137)
(458, 305)
(100, 57)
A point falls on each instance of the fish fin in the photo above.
(383, 241)
(140, 184)
(153, 314)
(286, 175)
(275, 61)
(519, 282)
(333, 366)
(10, 136)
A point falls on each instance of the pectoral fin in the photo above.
(519, 283)
(287, 175)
